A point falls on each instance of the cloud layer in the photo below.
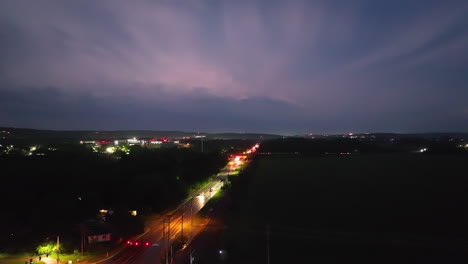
(263, 66)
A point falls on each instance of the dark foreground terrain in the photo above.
(379, 208)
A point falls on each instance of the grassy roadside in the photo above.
(12, 259)
(6, 255)
(73, 257)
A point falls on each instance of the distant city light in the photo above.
(133, 140)
(110, 150)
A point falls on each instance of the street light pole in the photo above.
(58, 249)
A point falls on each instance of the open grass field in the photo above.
(337, 209)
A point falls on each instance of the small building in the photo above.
(99, 238)
(133, 141)
(97, 232)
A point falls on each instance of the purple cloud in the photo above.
(321, 60)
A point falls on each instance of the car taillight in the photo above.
(147, 244)
(136, 243)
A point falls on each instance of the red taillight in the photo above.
(147, 244)
(129, 242)
(136, 243)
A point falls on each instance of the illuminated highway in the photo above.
(156, 236)
(162, 232)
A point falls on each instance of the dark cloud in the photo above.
(265, 66)
(50, 108)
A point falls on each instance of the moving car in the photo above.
(138, 243)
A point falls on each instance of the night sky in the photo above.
(271, 66)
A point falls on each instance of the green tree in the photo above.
(46, 248)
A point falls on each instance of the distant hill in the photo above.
(65, 136)
(447, 135)
(253, 136)
(388, 136)
(38, 135)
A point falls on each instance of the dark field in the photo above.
(338, 209)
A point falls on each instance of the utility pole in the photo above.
(169, 229)
(167, 241)
(58, 249)
(82, 239)
(182, 223)
(202, 144)
(191, 211)
(192, 259)
(268, 243)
